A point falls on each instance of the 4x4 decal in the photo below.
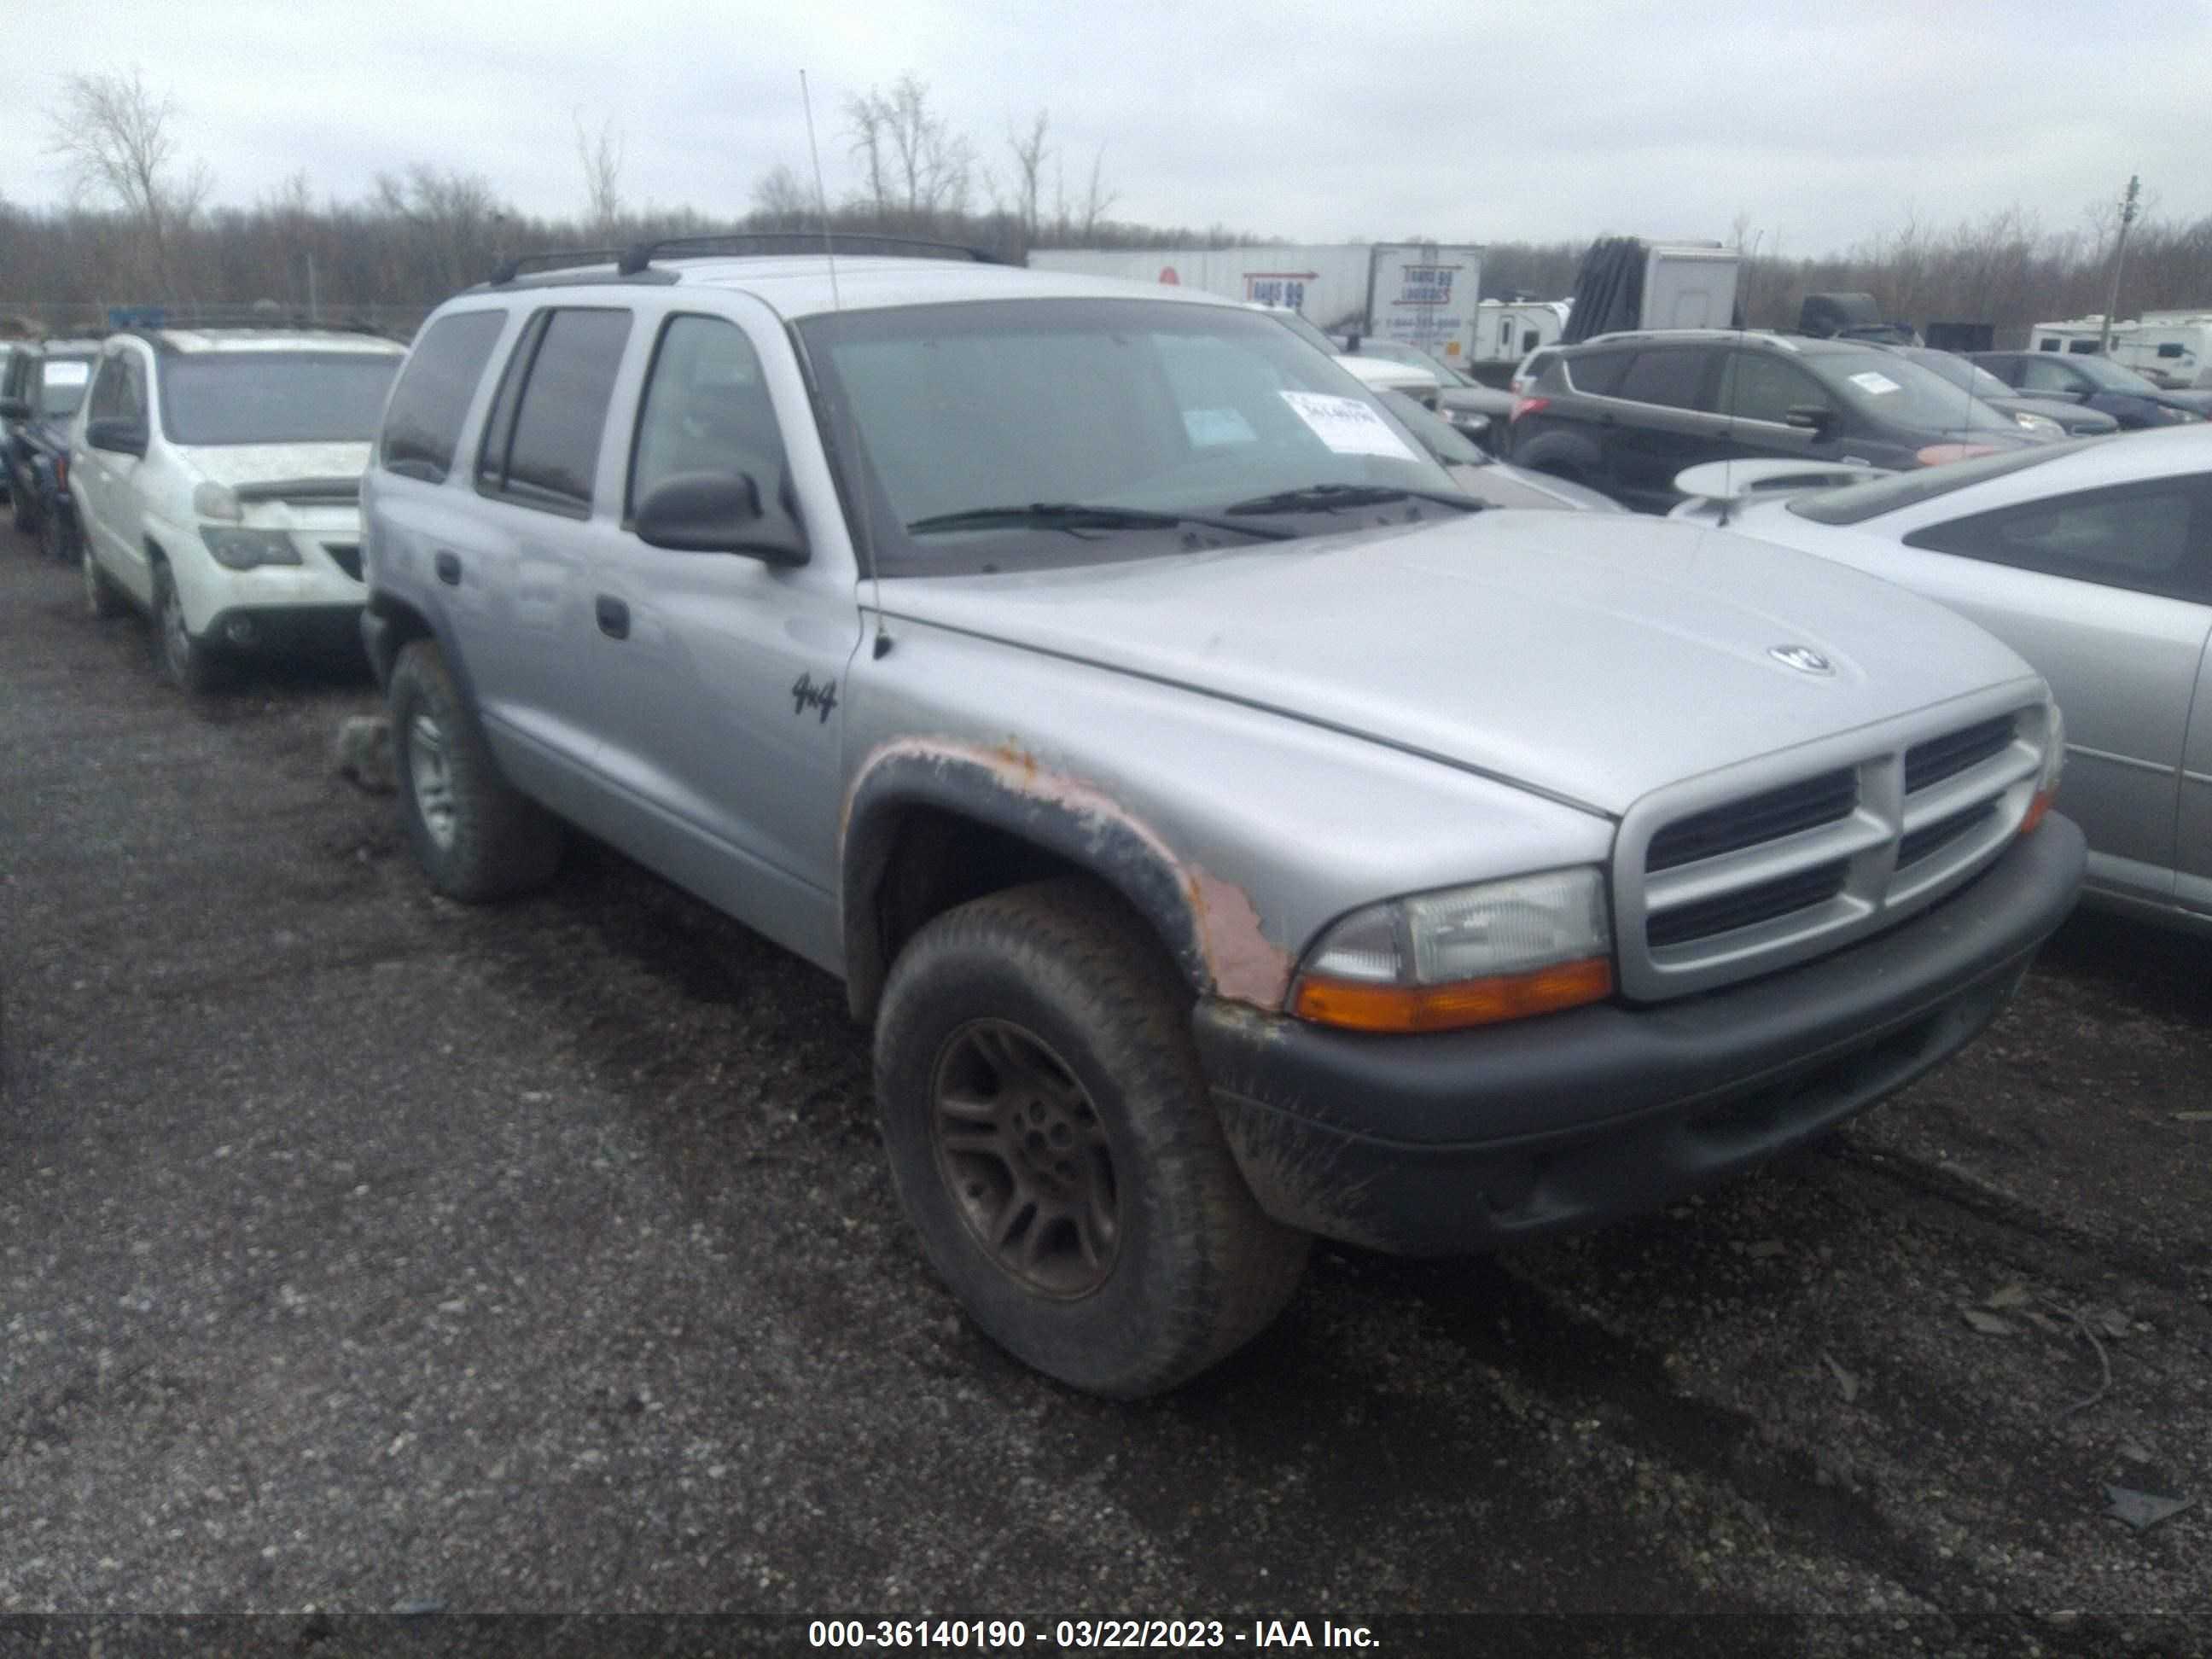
(806, 695)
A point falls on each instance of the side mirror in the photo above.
(1816, 418)
(117, 433)
(14, 409)
(717, 513)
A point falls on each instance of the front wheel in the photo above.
(188, 663)
(100, 598)
(1053, 1143)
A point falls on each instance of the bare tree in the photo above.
(602, 158)
(114, 137)
(1027, 147)
(916, 167)
(1097, 198)
(782, 200)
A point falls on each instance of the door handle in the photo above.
(614, 617)
(448, 566)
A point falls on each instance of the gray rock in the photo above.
(363, 753)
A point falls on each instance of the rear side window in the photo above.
(1669, 379)
(546, 458)
(2147, 536)
(423, 422)
(1600, 372)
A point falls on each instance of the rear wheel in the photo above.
(100, 598)
(1053, 1143)
(476, 837)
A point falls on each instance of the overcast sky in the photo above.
(1477, 120)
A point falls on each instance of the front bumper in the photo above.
(327, 632)
(1437, 1144)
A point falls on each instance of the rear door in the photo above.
(1666, 419)
(2105, 592)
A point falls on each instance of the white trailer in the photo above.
(2172, 348)
(1506, 331)
(1421, 293)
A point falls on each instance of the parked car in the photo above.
(1477, 409)
(216, 478)
(1624, 413)
(1482, 475)
(12, 353)
(2049, 417)
(2094, 560)
(1230, 835)
(39, 395)
(1377, 373)
(2097, 383)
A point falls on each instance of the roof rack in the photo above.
(147, 318)
(551, 258)
(803, 241)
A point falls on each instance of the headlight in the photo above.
(242, 550)
(2167, 412)
(1466, 956)
(2042, 425)
(2054, 763)
(214, 501)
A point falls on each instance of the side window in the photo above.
(1669, 377)
(2048, 345)
(707, 409)
(107, 390)
(1599, 373)
(120, 392)
(559, 402)
(2153, 538)
(423, 422)
(1758, 387)
(2036, 375)
(2083, 347)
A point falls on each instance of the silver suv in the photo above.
(1232, 833)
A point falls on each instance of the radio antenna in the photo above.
(821, 195)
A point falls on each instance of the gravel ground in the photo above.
(364, 1252)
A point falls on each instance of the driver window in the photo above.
(1758, 387)
(706, 409)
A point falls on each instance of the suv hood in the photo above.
(262, 463)
(1588, 657)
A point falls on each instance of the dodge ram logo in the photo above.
(1802, 658)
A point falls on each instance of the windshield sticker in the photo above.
(1874, 384)
(1347, 425)
(1208, 428)
(59, 373)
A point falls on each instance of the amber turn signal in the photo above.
(1353, 1007)
(2037, 808)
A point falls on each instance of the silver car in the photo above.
(1232, 833)
(2094, 560)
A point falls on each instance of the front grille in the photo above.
(1768, 816)
(346, 555)
(1743, 872)
(1747, 906)
(1932, 837)
(1930, 762)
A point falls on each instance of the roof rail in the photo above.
(550, 259)
(147, 318)
(642, 254)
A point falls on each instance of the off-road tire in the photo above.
(484, 839)
(101, 597)
(1198, 1269)
(190, 664)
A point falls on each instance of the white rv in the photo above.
(2173, 349)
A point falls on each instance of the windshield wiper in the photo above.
(1325, 497)
(1077, 515)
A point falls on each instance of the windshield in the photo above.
(2110, 376)
(1855, 502)
(274, 397)
(1438, 436)
(979, 426)
(1900, 393)
(61, 382)
(1970, 376)
(1306, 331)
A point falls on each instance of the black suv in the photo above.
(1625, 413)
(39, 390)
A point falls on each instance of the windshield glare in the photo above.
(2111, 376)
(1971, 377)
(274, 397)
(1148, 406)
(1902, 393)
